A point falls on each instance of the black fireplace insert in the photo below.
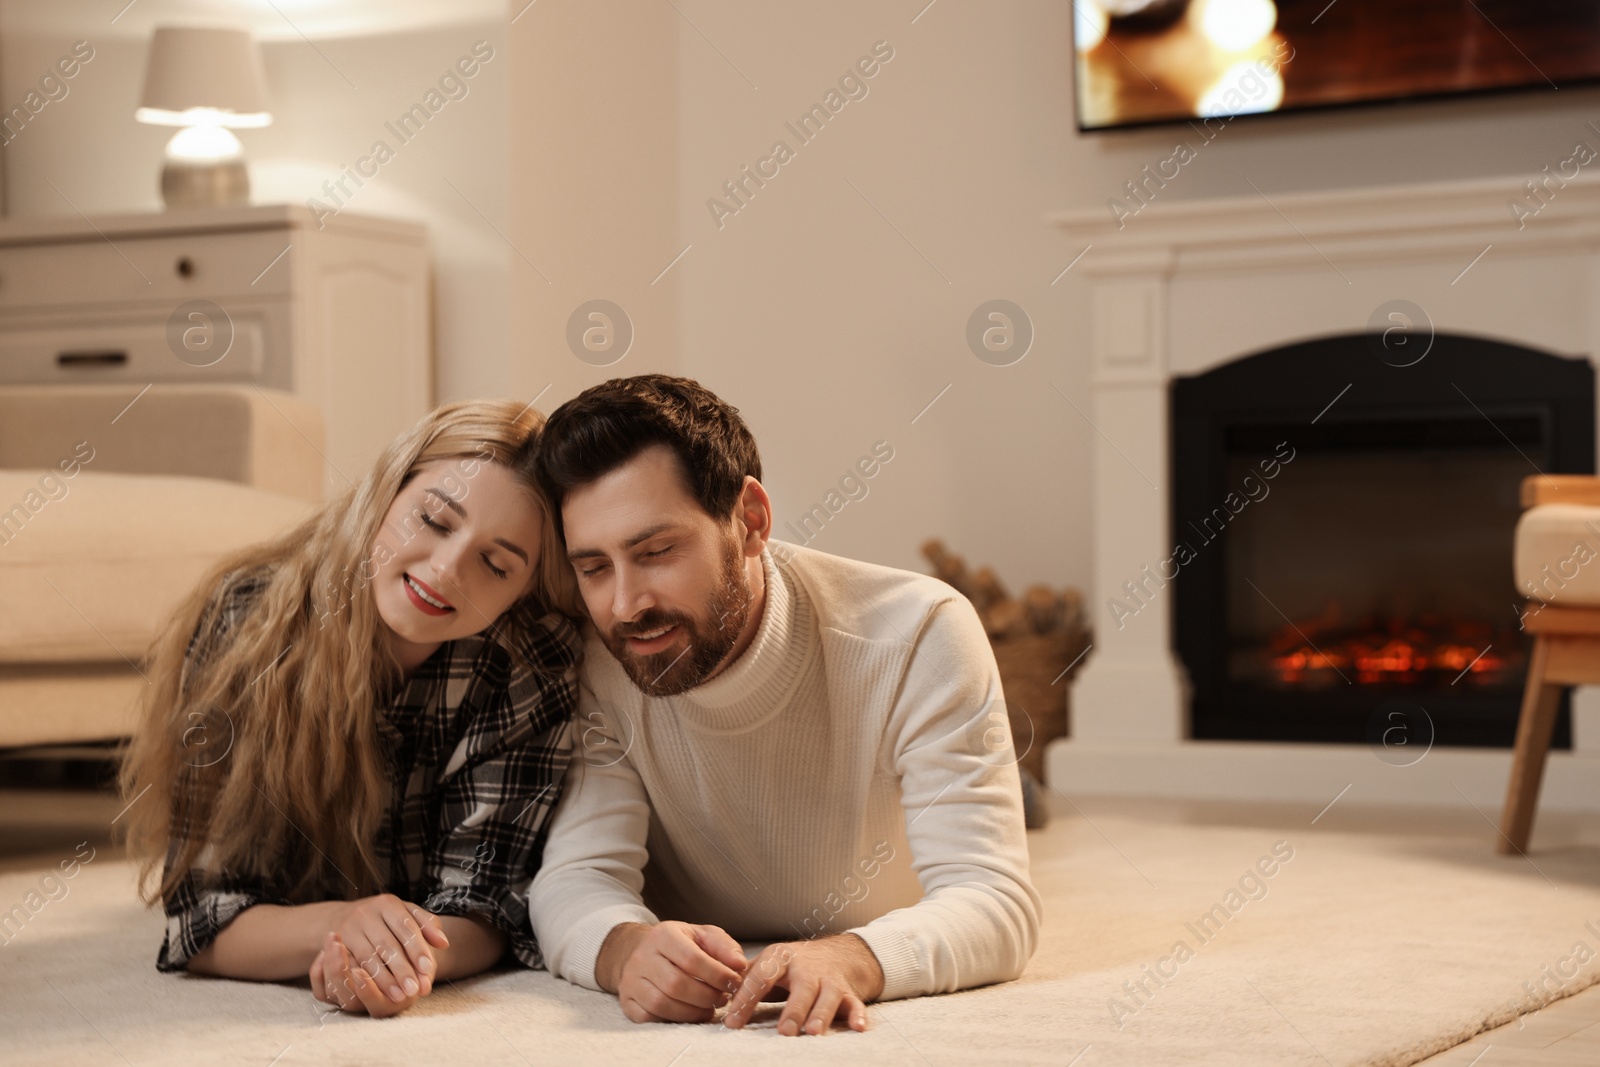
(1342, 532)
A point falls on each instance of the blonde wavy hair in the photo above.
(303, 775)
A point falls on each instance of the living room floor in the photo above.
(38, 824)
(1565, 1033)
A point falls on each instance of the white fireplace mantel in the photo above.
(1184, 286)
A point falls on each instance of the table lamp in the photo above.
(204, 80)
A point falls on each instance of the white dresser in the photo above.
(339, 315)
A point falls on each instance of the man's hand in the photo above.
(670, 972)
(825, 978)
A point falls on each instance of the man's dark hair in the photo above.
(607, 425)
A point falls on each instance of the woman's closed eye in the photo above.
(441, 530)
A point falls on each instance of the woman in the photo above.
(355, 734)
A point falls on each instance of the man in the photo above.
(800, 746)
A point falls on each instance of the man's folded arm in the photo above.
(978, 921)
(591, 876)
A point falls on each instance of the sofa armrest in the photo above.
(265, 438)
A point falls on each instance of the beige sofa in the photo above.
(112, 505)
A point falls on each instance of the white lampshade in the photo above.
(204, 76)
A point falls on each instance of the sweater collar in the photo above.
(758, 683)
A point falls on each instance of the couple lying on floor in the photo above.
(548, 686)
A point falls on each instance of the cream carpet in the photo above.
(1364, 948)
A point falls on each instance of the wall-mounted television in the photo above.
(1145, 62)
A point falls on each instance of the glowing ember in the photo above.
(1391, 652)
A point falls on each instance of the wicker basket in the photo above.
(1035, 637)
(1032, 673)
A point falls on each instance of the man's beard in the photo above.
(711, 636)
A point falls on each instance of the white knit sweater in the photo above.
(840, 775)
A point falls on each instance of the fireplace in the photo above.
(1342, 531)
(1160, 706)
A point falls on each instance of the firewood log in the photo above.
(1045, 608)
(1072, 617)
(947, 566)
(987, 590)
(1006, 619)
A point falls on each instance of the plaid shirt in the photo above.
(477, 743)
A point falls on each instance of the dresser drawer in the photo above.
(246, 344)
(336, 310)
(169, 269)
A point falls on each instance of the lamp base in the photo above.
(188, 185)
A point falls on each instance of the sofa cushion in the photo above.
(1557, 555)
(92, 565)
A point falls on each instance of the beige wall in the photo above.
(832, 308)
(593, 142)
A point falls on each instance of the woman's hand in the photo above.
(335, 979)
(380, 956)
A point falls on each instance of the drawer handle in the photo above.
(91, 359)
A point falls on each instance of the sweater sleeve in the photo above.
(950, 743)
(594, 858)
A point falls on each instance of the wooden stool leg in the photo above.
(1534, 726)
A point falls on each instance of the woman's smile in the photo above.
(424, 597)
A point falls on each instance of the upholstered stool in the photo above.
(1557, 567)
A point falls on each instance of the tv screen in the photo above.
(1141, 62)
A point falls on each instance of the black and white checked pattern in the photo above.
(477, 742)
